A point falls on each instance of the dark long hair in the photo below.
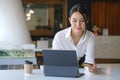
(82, 10)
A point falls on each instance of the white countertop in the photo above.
(105, 72)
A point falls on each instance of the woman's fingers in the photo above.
(93, 67)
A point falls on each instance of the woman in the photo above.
(77, 37)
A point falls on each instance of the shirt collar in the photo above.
(68, 33)
(83, 38)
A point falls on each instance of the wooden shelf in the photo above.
(41, 33)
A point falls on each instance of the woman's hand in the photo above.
(92, 67)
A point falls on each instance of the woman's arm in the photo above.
(90, 48)
(55, 43)
(89, 58)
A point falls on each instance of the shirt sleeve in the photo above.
(90, 48)
(55, 43)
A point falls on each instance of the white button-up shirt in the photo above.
(85, 46)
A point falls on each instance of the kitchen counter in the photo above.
(107, 47)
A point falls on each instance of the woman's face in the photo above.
(77, 22)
